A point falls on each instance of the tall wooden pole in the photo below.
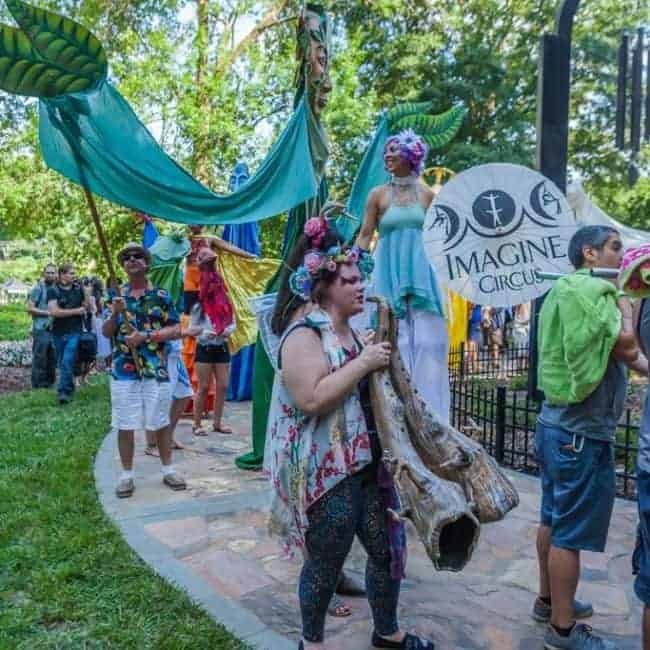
(101, 235)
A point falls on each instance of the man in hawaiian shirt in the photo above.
(139, 322)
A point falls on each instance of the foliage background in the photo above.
(213, 81)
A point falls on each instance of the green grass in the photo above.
(67, 578)
(15, 322)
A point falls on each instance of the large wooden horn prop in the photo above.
(448, 453)
(437, 507)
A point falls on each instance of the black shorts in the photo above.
(212, 354)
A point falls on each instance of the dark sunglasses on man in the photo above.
(132, 256)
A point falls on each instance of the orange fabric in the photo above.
(192, 277)
(189, 350)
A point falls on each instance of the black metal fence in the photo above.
(503, 418)
(486, 362)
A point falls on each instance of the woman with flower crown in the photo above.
(396, 212)
(323, 453)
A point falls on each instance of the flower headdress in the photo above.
(317, 260)
(412, 148)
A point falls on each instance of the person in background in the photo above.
(520, 334)
(140, 322)
(493, 321)
(585, 340)
(212, 322)
(95, 288)
(68, 303)
(103, 344)
(43, 350)
(474, 338)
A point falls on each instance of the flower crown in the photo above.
(316, 261)
(412, 147)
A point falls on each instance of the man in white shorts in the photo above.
(140, 323)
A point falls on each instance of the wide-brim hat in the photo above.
(634, 276)
(205, 255)
(133, 247)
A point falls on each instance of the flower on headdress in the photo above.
(300, 283)
(408, 137)
(301, 280)
(313, 261)
(412, 147)
(316, 229)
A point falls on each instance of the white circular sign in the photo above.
(492, 227)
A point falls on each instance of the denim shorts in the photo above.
(641, 557)
(578, 488)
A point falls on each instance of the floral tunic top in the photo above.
(148, 313)
(308, 455)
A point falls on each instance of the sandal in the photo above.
(222, 428)
(177, 445)
(338, 608)
(152, 450)
(199, 431)
(409, 642)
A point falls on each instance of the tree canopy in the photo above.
(213, 80)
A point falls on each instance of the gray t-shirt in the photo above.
(38, 296)
(598, 415)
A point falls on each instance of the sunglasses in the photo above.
(132, 256)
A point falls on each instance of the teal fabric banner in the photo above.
(371, 173)
(96, 140)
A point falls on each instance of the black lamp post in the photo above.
(553, 96)
(553, 93)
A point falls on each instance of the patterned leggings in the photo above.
(353, 506)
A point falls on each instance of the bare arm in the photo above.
(314, 389)
(169, 333)
(57, 312)
(627, 348)
(33, 310)
(109, 327)
(217, 242)
(641, 364)
(370, 220)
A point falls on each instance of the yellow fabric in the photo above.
(457, 319)
(245, 278)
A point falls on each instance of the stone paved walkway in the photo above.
(211, 540)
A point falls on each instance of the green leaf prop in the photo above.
(407, 108)
(49, 55)
(436, 130)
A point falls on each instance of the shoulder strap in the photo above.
(292, 328)
(43, 291)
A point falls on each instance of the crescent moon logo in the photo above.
(544, 203)
(446, 221)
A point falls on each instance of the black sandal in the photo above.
(409, 642)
